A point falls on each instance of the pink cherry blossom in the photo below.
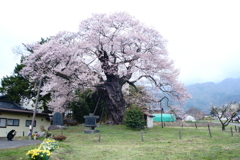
(107, 52)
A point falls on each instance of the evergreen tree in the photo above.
(17, 88)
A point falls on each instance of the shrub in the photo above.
(134, 118)
(59, 137)
(42, 128)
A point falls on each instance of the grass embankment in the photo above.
(119, 142)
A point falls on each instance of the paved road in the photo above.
(234, 124)
(4, 143)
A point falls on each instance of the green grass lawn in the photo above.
(119, 142)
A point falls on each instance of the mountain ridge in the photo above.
(208, 93)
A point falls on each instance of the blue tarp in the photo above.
(165, 118)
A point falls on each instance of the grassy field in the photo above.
(119, 142)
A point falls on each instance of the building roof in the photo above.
(148, 114)
(21, 111)
(8, 106)
(3, 96)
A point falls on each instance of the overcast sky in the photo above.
(203, 36)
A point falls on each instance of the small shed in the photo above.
(149, 118)
(164, 117)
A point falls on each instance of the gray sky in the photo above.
(203, 36)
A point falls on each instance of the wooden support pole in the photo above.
(196, 125)
(231, 131)
(180, 134)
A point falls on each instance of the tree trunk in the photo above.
(223, 127)
(114, 100)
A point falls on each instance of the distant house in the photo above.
(14, 116)
(189, 118)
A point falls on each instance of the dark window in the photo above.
(13, 122)
(29, 122)
(3, 122)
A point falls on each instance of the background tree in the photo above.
(107, 52)
(196, 113)
(17, 87)
(176, 110)
(85, 103)
(225, 113)
(136, 96)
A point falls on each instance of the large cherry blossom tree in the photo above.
(108, 51)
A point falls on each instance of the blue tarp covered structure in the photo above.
(165, 117)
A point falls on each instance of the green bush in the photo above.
(134, 118)
(208, 118)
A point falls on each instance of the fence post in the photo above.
(236, 128)
(231, 131)
(23, 133)
(180, 134)
(196, 125)
(209, 131)
(142, 136)
(99, 137)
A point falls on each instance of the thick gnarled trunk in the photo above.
(111, 91)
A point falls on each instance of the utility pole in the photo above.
(36, 104)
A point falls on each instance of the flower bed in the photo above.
(43, 152)
(39, 154)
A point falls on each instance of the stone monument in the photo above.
(90, 121)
